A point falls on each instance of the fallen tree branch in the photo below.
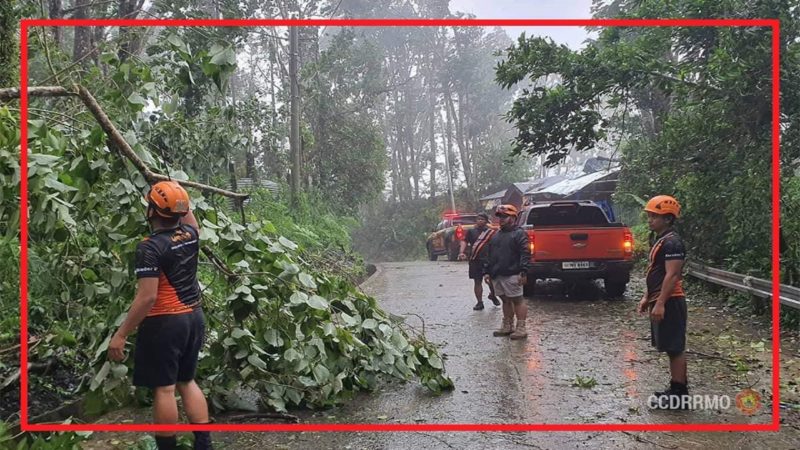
(126, 149)
(219, 264)
(39, 368)
(113, 134)
(7, 94)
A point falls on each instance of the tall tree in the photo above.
(8, 44)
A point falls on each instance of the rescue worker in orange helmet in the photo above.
(665, 300)
(167, 314)
(508, 259)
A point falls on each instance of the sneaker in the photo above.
(478, 306)
(494, 300)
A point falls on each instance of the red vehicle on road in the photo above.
(448, 234)
(574, 240)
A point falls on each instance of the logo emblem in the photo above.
(748, 401)
(579, 245)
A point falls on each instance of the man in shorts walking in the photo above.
(478, 237)
(167, 313)
(665, 299)
(507, 264)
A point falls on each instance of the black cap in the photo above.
(484, 216)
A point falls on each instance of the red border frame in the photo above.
(774, 24)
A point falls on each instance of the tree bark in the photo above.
(130, 37)
(432, 136)
(82, 42)
(295, 113)
(54, 12)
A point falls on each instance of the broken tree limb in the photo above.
(113, 134)
(127, 151)
(7, 94)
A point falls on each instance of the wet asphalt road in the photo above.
(534, 381)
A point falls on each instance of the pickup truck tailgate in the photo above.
(578, 244)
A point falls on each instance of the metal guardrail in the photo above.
(790, 295)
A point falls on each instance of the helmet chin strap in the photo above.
(149, 215)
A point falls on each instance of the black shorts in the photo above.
(475, 270)
(167, 347)
(669, 335)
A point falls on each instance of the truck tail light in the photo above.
(627, 243)
(531, 244)
(460, 233)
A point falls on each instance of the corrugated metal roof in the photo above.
(525, 186)
(244, 183)
(569, 187)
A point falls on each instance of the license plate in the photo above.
(576, 265)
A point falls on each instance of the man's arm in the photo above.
(462, 248)
(524, 251)
(674, 268)
(146, 292)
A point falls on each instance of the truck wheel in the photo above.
(529, 287)
(615, 288)
(431, 256)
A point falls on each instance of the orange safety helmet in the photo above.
(664, 204)
(167, 199)
(509, 210)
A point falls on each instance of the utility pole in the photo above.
(294, 137)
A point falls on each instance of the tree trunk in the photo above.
(130, 37)
(54, 12)
(295, 114)
(432, 137)
(82, 42)
(9, 56)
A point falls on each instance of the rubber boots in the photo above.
(519, 331)
(506, 328)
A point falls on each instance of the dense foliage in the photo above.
(690, 111)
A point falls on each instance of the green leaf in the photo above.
(52, 183)
(89, 275)
(226, 57)
(287, 243)
(291, 355)
(119, 370)
(294, 396)
(307, 280)
(298, 298)
(348, 319)
(137, 99)
(272, 338)
(369, 324)
(256, 361)
(317, 302)
(238, 332)
(101, 376)
(321, 374)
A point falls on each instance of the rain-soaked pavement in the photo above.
(577, 338)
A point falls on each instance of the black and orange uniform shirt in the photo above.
(668, 247)
(478, 238)
(171, 255)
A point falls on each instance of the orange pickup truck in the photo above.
(574, 240)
